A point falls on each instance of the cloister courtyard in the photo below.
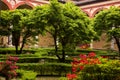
(59, 41)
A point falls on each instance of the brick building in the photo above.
(90, 7)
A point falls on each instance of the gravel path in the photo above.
(38, 78)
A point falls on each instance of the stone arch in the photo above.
(87, 13)
(23, 4)
(4, 5)
(96, 11)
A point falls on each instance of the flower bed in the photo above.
(89, 67)
(8, 68)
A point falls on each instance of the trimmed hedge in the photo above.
(13, 51)
(26, 75)
(51, 52)
(35, 59)
(60, 69)
(77, 52)
(107, 71)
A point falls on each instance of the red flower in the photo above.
(74, 69)
(79, 64)
(104, 56)
(81, 67)
(71, 76)
(13, 73)
(91, 55)
(97, 61)
(83, 56)
(84, 61)
(75, 61)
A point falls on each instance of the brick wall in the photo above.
(46, 41)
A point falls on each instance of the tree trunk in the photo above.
(63, 51)
(21, 48)
(23, 43)
(7, 78)
(16, 49)
(56, 48)
(63, 55)
(16, 39)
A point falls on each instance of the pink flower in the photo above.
(1, 62)
(16, 58)
(8, 62)
(13, 58)
(9, 75)
(13, 67)
(10, 67)
(13, 72)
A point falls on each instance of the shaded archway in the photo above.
(103, 42)
(3, 39)
(24, 6)
(3, 6)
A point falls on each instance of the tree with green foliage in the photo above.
(76, 28)
(66, 23)
(55, 18)
(52, 18)
(4, 23)
(108, 21)
(21, 25)
(11, 20)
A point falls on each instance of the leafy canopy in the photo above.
(108, 21)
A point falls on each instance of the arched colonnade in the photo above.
(91, 9)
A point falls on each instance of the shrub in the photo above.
(62, 78)
(8, 68)
(12, 51)
(26, 75)
(46, 68)
(93, 68)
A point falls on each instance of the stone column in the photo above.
(112, 44)
(91, 44)
(36, 44)
(57, 41)
(112, 40)
(10, 38)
